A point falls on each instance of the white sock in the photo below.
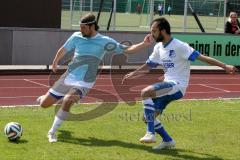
(56, 124)
(58, 120)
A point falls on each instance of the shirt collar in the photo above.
(165, 45)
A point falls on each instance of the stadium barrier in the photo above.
(28, 46)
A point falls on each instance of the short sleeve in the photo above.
(69, 44)
(188, 52)
(154, 59)
(112, 46)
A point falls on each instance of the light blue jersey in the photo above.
(88, 53)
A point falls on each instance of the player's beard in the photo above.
(85, 35)
(88, 35)
(160, 38)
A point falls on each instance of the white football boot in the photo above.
(51, 137)
(39, 99)
(148, 138)
(165, 145)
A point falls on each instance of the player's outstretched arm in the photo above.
(60, 53)
(148, 40)
(228, 68)
(137, 73)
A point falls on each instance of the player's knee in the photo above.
(146, 93)
(143, 93)
(44, 104)
(45, 101)
(68, 100)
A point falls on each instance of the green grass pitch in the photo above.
(202, 130)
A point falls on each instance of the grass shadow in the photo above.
(21, 141)
(66, 137)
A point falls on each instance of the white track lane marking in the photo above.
(202, 78)
(36, 83)
(214, 88)
(109, 78)
(21, 87)
(103, 85)
(17, 97)
(17, 79)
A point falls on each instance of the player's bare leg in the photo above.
(47, 100)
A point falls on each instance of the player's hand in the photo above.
(237, 32)
(127, 76)
(148, 40)
(230, 69)
(54, 67)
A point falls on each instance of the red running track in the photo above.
(24, 89)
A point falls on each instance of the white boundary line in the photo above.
(116, 94)
(121, 102)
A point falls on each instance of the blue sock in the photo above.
(161, 131)
(149, 111)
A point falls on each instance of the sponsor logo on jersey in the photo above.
(172, 54)
(168, 64)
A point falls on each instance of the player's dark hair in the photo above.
(163, 24)
(89, 19)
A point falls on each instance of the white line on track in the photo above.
(217, 78)
(99, 78)
(36, 82)
(212, 92)
(19, 97)
(17, 79)
(111, 85)
(215, 84)
(214, 88)
(21, 87)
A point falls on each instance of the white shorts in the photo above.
(60, 89)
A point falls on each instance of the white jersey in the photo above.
(174, 57)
